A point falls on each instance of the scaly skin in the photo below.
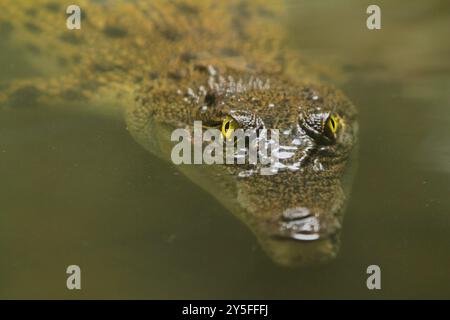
(170, 63)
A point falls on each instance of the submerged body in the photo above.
(172, 63)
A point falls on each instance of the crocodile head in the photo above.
(295, 209)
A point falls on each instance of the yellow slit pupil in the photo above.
(332, 123)
(228, 126)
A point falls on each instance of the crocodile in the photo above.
(225, 63)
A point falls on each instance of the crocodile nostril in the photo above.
(299, 224)
(295, 213)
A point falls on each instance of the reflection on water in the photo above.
(76, 189)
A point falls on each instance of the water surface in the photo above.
(76, 189)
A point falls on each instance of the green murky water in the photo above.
(76, 189)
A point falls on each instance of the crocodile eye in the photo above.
(331, 126)
(228, 126)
